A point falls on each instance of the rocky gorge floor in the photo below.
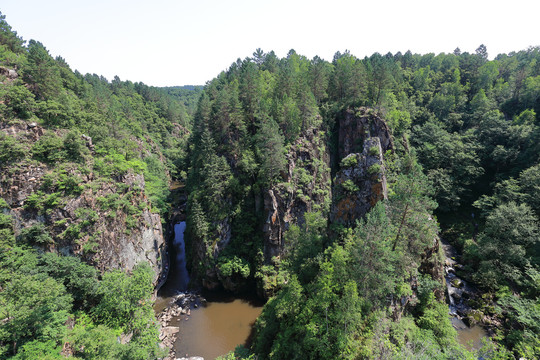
(179, 307)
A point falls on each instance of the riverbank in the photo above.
(172, 312)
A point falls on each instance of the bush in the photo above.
(374, 151)
(74, 146)
(4, 204)
(234, 265)
(35, 234)
(11, 150)
(6, 222)
(374, 169)
(49, 148)
(20, 102)
(349, 161)
(349, 186)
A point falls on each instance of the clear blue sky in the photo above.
(167, 42)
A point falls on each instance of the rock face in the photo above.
(306, 187)
(359, 185)
(358, 125)
(107, 223)
(10, 74)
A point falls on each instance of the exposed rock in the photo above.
(77, 222)
(358, 125)
(359, 185)
(11, 74)
(457, 283)
(305, 188)
(432, 265)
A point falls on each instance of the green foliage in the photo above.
(80, 279)
(19, 102)
(374, 151)
(374, 169)
(35, 235)
(349, 161)
(506, 245)
(11, 150)
(6, 221)
(229, 266)
(4, 204)
(36, 306)
(350, 186)
(49, 148)
(121, 295)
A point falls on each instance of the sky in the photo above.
(178, 42)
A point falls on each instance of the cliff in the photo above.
(359, 124)
(359, 185)
(106, 221)
(363, 139)
(306, 187)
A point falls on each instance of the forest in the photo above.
(274, 183)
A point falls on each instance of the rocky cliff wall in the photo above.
(358, 125)
(106, 222)
(306, 187)
(359, 185)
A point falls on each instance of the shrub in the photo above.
(11, 150)
(6, 222)
(4, 204)
(49, 148)
(349, 186)
(74, 146)
(35, 234)
(374, 169)
(234, 265)
(349, 161)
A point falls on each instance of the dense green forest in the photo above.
(463, 163)
(465, 131)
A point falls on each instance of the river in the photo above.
(458, 290)
(214, 327)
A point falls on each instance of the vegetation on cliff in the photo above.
(85, 167)
(473, 126)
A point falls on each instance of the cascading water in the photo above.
(458, 291)
(182, 276)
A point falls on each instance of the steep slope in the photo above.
(108, 222)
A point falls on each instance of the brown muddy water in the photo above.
(470, 337)
(213, 328)
(218, 327)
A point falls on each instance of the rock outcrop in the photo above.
(10, 74)
(364, 137)
(358, 125)
(305, 188)
(107, 223)
(359, 185)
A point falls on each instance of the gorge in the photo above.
(321, 188)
